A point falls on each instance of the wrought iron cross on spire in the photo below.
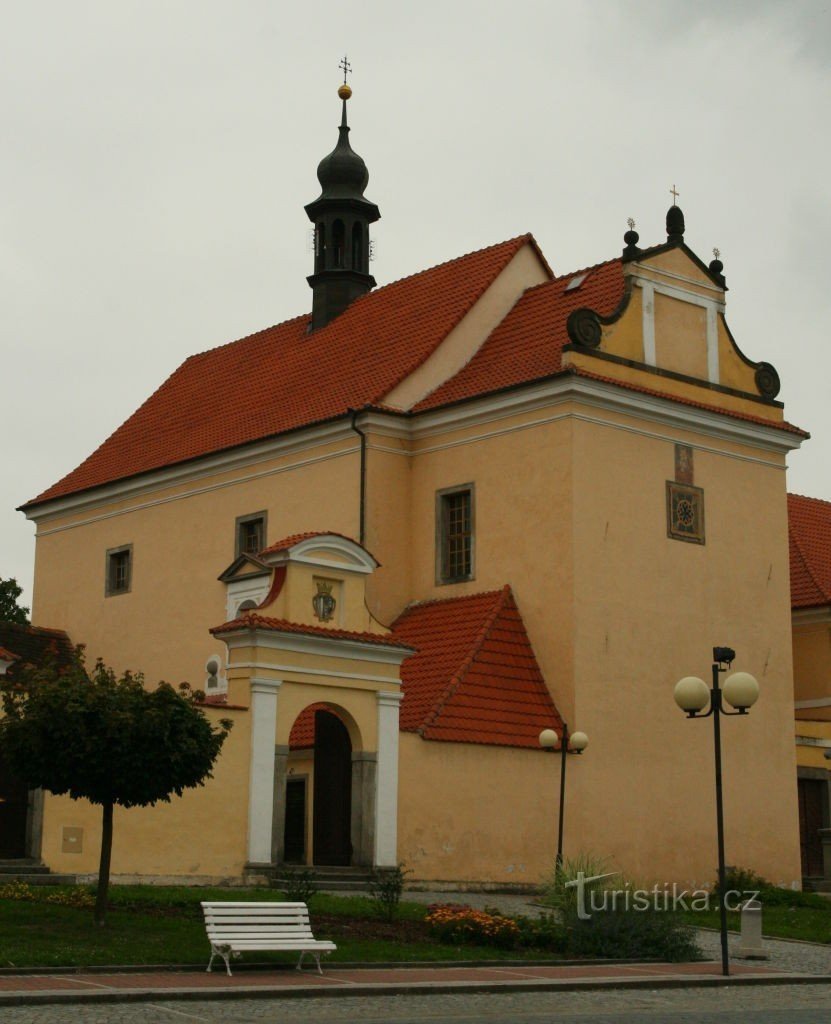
(346, 67)
(673, 192)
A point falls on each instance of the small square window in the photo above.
(454, 534)
(119, 570)
(250, 539)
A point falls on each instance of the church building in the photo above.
(397, 537)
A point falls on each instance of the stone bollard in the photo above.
(750, 944)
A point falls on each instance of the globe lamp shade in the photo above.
(578, 741)
(741, 690)
(691, 694)
(549, 739)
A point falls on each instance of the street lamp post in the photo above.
(741, 691)
(571, 743)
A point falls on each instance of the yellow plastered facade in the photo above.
(570, 512)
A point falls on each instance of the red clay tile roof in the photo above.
(251, 620)
(528, 343)
(7, 655)
(282, 378)
(33, 645)
(302, 735)
(809, 533)
(475, 678)
(288, 542)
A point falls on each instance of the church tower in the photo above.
(341, 216)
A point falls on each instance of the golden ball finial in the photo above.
(344, 91)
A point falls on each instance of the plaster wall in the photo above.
(648, 610)
(466, 812)
(200, 834)
(812, 661)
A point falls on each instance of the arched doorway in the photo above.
(332, 809)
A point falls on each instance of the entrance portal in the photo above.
(332, 842)
(14, 809)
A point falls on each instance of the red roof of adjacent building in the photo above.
(475, 678)
(809, 533)
(7, 655)
(252, 620)
(33, 645)
(284, 378)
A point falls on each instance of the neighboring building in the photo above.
(810, 538)
(21, 810)
(506, 495)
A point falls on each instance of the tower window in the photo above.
(338, 243)
(454, 534)
(320, 246)
(357, 247)
(250, 533)
(119, 570)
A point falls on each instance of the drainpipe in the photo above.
(362, 517)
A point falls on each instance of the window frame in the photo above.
(109, 572)
(241, 521)
(442, 578)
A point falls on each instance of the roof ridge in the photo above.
(445, 600)
(457, 678)
(584, 270)
(512, 246)
(808, 497)
(245, 337)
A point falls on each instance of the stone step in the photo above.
(44, 878)
(14, 867)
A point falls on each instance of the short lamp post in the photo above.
(571, 743)
(741, 691)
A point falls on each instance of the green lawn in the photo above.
(808, 923)
(157, 925)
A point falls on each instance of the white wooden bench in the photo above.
(234, 928)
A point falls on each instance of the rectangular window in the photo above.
(119, 570)
(250, 538)
(454, 534)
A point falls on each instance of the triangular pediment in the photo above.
(245, 566)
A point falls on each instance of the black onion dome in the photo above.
(342, 172)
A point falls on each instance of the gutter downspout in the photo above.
(362, 515)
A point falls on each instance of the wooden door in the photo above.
(294, 835)
(14, 809)
(811, 797)
(332, 791)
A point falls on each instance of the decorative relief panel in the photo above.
(685, 512)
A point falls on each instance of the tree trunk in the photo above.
(104, 865)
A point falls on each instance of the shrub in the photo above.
(744, 880)
(459, 925)
(386, 887)
(555, 893)
(544, 932)
(630, 933)
(298, 885)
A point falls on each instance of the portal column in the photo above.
(261, 784)
(386, 802)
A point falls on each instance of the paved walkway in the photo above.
(287, 982)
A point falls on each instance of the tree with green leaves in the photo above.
(106, 739)
(10, 610)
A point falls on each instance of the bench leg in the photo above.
(319, 968)
(225, 956)
(300, 961)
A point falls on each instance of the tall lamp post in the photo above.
(741, 691)
(571, 743)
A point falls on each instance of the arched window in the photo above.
(358, 246)
(320, 246)
(338, 243)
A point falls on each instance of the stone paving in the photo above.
(794, 1004)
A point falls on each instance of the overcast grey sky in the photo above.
(157, 156)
